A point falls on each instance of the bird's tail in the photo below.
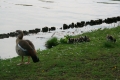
(34, 56)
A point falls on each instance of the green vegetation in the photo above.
(65, 39)
(98, 59)
(52, 42)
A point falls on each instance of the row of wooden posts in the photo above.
(65, 26)
(91, 22)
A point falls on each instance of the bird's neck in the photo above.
(19, 38)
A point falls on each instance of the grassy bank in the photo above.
(94, 60)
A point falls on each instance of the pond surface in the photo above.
(31, 14)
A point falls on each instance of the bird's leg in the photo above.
(21, 61)
(28, 60)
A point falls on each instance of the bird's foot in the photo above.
(27, 63)
(20, 63)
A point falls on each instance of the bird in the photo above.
(111, 38)
(25, 48)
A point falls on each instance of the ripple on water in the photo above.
(24, 4)
(107, 3)
(46, 1)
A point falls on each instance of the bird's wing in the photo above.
(31, 44)
(28, 47)
(25, 45)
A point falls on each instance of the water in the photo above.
(31, 14)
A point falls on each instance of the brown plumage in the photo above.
(25, 48)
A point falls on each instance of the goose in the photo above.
(25, 48)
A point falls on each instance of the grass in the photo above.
(51, 42)
(94, 60)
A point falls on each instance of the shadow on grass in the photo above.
(109, 44)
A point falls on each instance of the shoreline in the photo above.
(40, 38)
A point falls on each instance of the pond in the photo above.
(31, 14)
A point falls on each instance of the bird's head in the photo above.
(19, 34)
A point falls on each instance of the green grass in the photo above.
(51, 42)
(94, 60)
